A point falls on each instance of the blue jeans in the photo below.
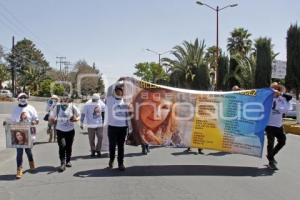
(20, 156)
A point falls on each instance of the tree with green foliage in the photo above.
(292, 78)
(189, 69)
(241, 68)
(239, 42)
(223, 71)
(48, 87)
(151, 72)
(263, 71)
(87, 79)
(30, 64)
(4, 74)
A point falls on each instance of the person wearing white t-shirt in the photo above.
(24, 112)
(64, 115)
(275, 126)
(92, 115)
(51, 103)
(117, 113)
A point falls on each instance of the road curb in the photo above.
(292, 128)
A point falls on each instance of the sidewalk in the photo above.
(291, 126)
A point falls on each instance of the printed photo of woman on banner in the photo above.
(155, 113)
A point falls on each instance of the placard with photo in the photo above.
(18, 135)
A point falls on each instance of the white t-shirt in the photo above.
(28, 114)
(50, 105)
(63, 117)
(117, 112)
(279, 107)
(93, 113)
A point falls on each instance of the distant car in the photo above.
(292, 112)
(6, 93)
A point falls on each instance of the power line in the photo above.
(21, 26)
(61, 61)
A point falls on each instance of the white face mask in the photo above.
(22, 101)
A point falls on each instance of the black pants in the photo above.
(116, 136)
(65, 142)
(272, 133)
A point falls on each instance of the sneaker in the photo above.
(93, 154)
(147, 148)
(271, 159)
(62, 167)
(144, 151)
(200, 151)
(69, 164)
(98, 154)
(121, 167)
(110, 164)
(272, 166)
(19, 173)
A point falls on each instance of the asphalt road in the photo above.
(165, 173)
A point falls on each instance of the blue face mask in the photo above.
(64, 106)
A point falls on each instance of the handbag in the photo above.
(46, 117)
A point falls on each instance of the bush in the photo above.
(45, 88)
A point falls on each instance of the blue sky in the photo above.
(115, 33)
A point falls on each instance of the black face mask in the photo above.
(22, 105)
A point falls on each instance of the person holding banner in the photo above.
(118, 111)
(23, 112)
(64, 115)
(20, 138)
(275, 125)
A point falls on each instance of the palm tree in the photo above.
(242, 73)
(239, 42)
(188, 67)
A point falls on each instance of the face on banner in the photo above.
(154, 110)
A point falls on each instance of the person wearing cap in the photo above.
(64, 115)
(24, 112)
(51, 103)
(92, 115)
(274, 128)
(117, 114)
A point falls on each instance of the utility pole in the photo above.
(13, 69)
(66, 71)
(60, 58)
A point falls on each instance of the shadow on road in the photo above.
(39, 143)
(218, 154)
(179, 170)
(134, 154)
(8, 177)
(84, 157)
(184, 153)
(43, 169)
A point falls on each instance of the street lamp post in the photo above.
(217, 10)
(159, 54)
